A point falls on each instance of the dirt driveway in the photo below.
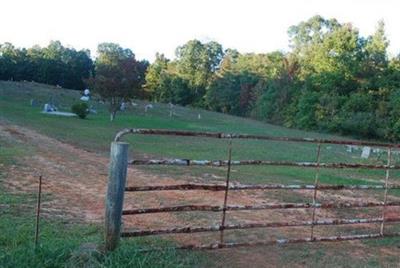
(76, 182)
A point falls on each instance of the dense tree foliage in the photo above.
(118, 76)
(333, 79)
(54, 64)
(185, 80)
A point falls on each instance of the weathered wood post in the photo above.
(115, 193)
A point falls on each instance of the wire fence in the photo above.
(228, 188)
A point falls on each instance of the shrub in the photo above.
(81, 109)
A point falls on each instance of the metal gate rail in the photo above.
(117, 187)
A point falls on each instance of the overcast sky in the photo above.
(151, 26)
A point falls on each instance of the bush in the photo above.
(81, 109)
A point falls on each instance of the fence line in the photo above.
(118, 181)
(213, 246)
(386, 190)
(219, 135)
(286, 241)
(241, 187)
(228, 176)
(316, 183)
(258, 207)
(200, 229)
(223, 163)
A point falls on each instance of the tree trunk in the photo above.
(112, 115)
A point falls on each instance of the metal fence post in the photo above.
(115, 193)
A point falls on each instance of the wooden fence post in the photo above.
(115, 193)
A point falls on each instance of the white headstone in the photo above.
(366, 151)
(47, 108)
(199, 116)
(377, 150)
(123, 106)
(148, 106)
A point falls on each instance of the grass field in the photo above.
(96, 132)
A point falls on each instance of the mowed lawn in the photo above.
(96, 132)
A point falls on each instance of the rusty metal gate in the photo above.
(117, 178)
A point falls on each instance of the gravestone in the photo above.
(92, 110)
(123, 106)
(48, 108)
(147, 107)
(171, 109)
(349, 148)
(366, 151)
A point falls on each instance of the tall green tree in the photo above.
(376, 60)
(197, 62)
(155, 75)
(118, 76)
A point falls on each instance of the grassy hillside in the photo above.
(96, 132)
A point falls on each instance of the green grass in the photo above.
(95, 134)
(60, 243)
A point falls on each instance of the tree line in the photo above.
(332, 79)
(54, 65)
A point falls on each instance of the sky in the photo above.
(151, 26)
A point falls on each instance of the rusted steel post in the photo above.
(228, 175)
(115, 193)
(39, 197)
(315, 190)
(389, 156)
